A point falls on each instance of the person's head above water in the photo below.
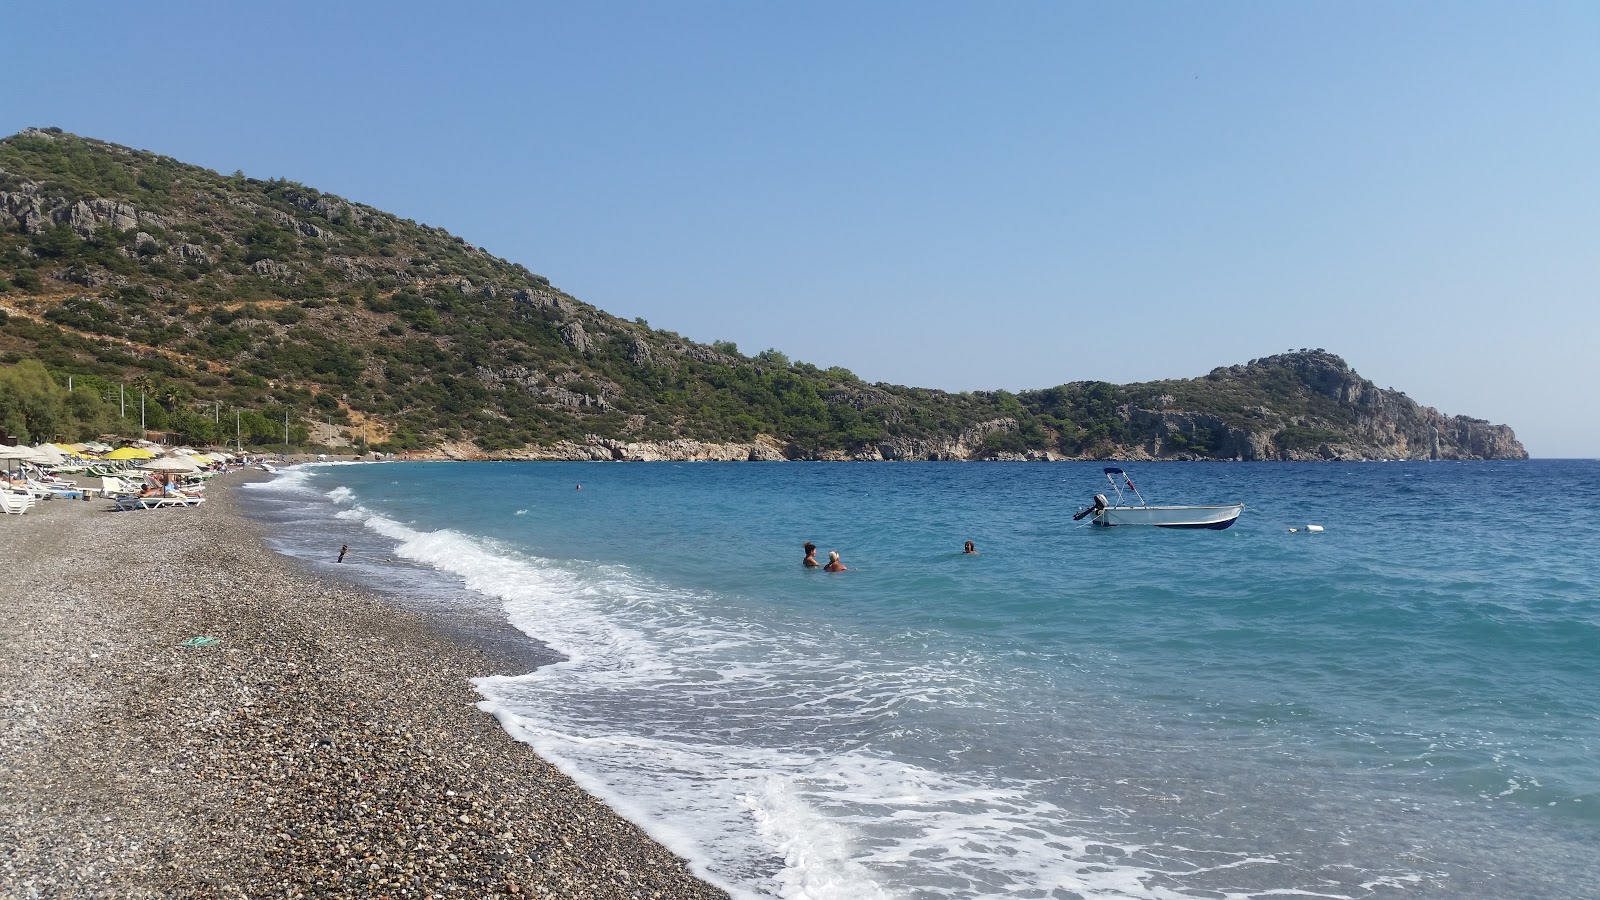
(969, 548)
(810, 548)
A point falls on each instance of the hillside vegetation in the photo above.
(234, 304)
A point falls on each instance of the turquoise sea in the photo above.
(1405, 705)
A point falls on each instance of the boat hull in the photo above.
(1215, 518)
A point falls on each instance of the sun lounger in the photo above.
(12, 503)
(111, 485)
(168, 502)
(49, 490)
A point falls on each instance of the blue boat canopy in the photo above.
(1113, 470)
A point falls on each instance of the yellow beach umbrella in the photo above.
(128, 453)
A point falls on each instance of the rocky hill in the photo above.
(239, 308)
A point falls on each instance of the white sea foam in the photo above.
(295, 480)
(748, 747)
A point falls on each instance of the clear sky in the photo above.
(956, 195)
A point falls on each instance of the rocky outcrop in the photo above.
(537, 382)
(600, 449)
(639, 353)
(969, 444)
(1362, 422)
(267, 268)
(1173, 434)
(542, 301)
(28, 208)
(573, 335)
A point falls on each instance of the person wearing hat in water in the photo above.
(833, 563)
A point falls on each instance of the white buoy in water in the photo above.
(1314, 529)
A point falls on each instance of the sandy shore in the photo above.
(326, 744)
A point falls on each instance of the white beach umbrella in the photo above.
(26, 454)
(168, 464)
(50, 454)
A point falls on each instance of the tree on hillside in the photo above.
(31, 403)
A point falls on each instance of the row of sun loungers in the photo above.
(19, 496)
(127, 502)
(13, 503)
(123, 494)
(126, 496)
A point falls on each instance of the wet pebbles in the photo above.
(322, 744)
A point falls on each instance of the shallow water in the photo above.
(1403, 705)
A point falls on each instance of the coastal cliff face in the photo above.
(122, 269)
(1341, 416)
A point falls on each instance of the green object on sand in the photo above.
(199, 641)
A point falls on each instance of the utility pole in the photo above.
(122, 400)
(238, 439)
(141, 414)
(286, 431)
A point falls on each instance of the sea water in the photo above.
(1405, 704)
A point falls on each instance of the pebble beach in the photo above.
(188, 714)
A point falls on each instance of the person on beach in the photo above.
(970, 549)
(810, 561)
(833, 563)
(342, 551)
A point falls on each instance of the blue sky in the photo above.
(964, 196)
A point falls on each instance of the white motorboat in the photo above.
(1106, 513)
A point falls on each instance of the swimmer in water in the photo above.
(810, 561)
(833, 563)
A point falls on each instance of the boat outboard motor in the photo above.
(1100, 503)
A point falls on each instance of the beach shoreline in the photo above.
(325, 742)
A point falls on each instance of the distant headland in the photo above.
(268, 313)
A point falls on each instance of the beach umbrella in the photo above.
(26, 454)
(22, 454)
(168, 464)
(129, 453)
(50, 454)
